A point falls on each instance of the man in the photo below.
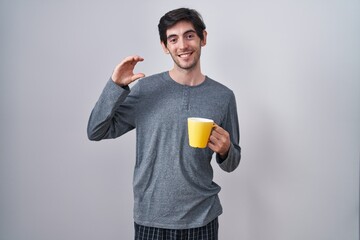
(174, 195)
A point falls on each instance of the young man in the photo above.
(174, 193)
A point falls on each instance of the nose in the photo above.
(182, 43)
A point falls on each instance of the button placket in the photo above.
(186, 98)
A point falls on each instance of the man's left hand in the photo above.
(219, 141)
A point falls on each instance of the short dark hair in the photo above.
(181, 14)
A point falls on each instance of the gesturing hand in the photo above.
(123, 73)
(219, 141)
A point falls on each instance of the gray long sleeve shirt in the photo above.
(173, 182)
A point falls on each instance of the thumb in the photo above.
(137, 76)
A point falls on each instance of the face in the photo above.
(184, 45)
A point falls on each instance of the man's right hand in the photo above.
(123, 73)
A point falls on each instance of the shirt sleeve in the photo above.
(231, 125)
(113, 114)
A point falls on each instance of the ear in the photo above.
(166, 50)
(203, 42)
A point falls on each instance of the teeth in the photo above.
(184, 55)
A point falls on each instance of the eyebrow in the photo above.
(188, 31)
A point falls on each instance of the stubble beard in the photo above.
(190, 66)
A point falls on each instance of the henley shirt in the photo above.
(172, 182)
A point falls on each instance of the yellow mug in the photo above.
(199, 130)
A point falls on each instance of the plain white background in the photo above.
(294, 68)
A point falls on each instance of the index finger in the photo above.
(217, 128)
(134, 58)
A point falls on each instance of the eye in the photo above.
(190, 35)
(172, 40)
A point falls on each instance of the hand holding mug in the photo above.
(219, 141)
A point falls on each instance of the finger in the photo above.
(215, 134)
(214, 146)
(222, 132)
(219, 129)
(215, 140)
(138, 58)
(219, 132)
(219, 139)
(133, 58)
(137, 76)
(128, 64)
(130, 61)
(218, 146)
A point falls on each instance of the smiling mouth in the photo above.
(185, 55)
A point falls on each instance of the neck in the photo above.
(189, 77)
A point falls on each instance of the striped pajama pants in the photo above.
(207, 232)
